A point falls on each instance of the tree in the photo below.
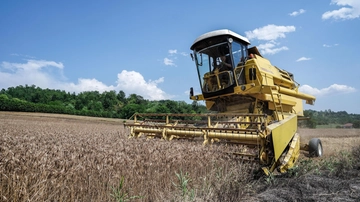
(311, 121)
(162, 109)
(3, 97)
(95, 106)
(356, 124)
(130, 109)
(121, 97)
(135, 99)
(109, 100)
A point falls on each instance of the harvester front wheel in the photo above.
(315, 148)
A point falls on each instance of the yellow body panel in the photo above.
(282, 132)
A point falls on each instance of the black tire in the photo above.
(315, 148)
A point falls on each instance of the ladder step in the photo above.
(278, 107)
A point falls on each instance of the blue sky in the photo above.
(143, 47)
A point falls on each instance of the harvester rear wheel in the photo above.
(315, 148)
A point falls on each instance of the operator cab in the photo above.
(217, 54)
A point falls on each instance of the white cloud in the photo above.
(85, 85)
(184, 54)
(333, 89)
(41, 74)
(169, 62)
(32, 72)
(303, 59)
(295, 13)
(21, 55)
(350, 10)
(173, 51)
(269, 48)
(172, 57)
(269, 32)
(31, 65)
(329, 46)
(134, 82)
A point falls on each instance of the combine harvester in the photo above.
(251, 101)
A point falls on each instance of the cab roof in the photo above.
(221, 32)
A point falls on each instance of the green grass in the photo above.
(182, 185)
(119, 194)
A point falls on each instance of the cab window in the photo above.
(239, 52)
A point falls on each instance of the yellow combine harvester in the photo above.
(252, 102)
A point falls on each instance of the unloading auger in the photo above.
(251, 101)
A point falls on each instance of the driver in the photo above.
(224, 64)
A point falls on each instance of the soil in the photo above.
(337, 184)
(333, 140)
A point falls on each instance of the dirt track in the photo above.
(87, 134)
(333, 140)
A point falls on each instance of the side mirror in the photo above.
(201, 60)
(191, 92)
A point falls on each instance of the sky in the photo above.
(143, 47)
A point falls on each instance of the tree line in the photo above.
(112, 104)
(328, 117)
(109, 104)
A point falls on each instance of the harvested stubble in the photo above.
(47, 159)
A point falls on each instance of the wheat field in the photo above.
(68, 158)
(47, 158)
